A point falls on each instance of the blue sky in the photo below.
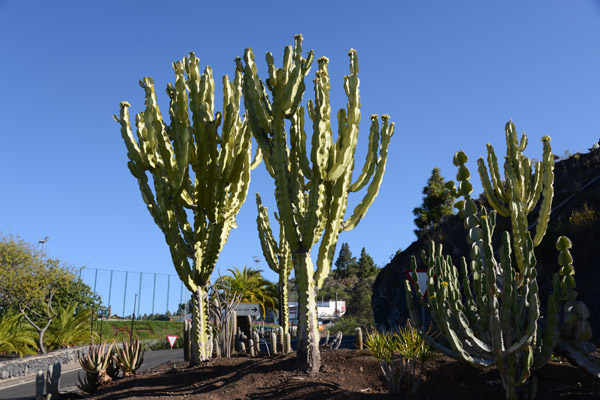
(449, 73)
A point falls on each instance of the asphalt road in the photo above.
(24, 388)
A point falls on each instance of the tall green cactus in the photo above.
(195, 172)
(519, 193)
(311, 199)
(492, 318)
(279, 258)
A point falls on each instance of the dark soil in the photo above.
(345, 374)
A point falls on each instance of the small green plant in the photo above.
(401, 355)
(584, 218)
(130, 357)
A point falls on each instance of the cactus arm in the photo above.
(548, 192)
(298, 139)
(346, 143)
(333, 227)
(536, 188)
(265, 234)
(362, 208)
(489, 191)
(495, 174)
(133, 150)
(371, 160)
(257, 106)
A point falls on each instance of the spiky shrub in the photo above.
(129, 357)
(491, 316)
(402, 356)
(311, 199)
(94, 365)
(383, 346)
(197, 174)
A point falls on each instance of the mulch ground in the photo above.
(345, 374)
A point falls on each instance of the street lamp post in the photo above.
(43, 243)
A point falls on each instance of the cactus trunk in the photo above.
(309, 358)
(284, 309)
(200, 328)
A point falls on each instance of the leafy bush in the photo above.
(347, 325)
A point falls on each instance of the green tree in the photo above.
(365, 266)
(80, 293)
(29, 283)
(345, 264)
(437, 204)
(355, 289)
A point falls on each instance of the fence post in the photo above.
(139, 295)
(124, 294)
(154, 293)
(168, 291)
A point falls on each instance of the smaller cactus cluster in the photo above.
(103, 363)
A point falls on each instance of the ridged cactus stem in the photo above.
(311, 187)
(284, 308)
(39, 385)
(308, 324)
(200, 328)
(278, 257)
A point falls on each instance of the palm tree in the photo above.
(251, 285)
(16, 337)
(69, 328)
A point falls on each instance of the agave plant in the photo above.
(69, 328)
(89, 384)
(95, 365)
(130, 357)
(15, 337)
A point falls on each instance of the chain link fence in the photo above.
(150, 293)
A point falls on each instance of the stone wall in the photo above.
(30, 365)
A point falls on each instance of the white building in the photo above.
(327, 311)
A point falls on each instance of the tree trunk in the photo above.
(200, 326)
(308, 356)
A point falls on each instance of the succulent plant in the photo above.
(129, 357)
(311, 189)
(95, 365)
(196, 172)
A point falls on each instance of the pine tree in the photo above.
(345, 265)
(437, 204)
(366, 266)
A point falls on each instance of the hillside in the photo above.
(575, 213)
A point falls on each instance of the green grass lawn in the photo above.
(144, 330)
